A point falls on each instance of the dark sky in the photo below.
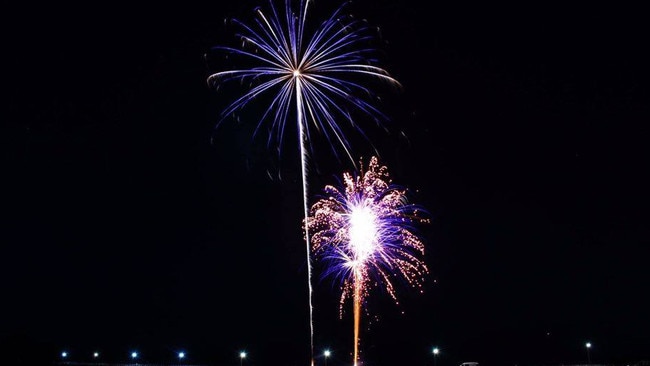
(129, 222)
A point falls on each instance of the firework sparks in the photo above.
(323, 75)
(365, 233)
(320, 74)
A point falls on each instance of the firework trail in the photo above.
(365, 232)
(321, 74)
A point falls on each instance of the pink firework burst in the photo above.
(365, 233)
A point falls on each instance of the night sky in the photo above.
(130, 223)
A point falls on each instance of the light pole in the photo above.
(134, 355)
(95, 355)
(181, 356)
(327, 354)
(435, 355)
(64, 354)
(588, 346)
(242, 356)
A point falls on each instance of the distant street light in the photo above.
(327, 353)
(64, 354)
(96, 354)
(134, 355)
(588, 346)
(435, 355)
(181, 355)
(242, 356)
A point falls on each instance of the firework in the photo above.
(321, 76)
(365, 232)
